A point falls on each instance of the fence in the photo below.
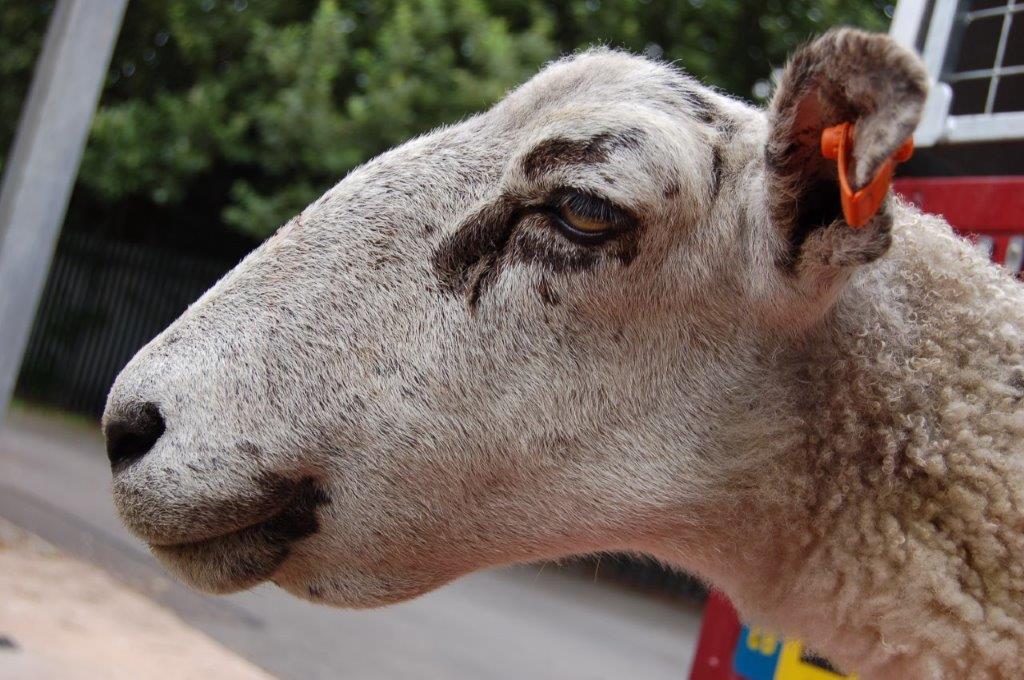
(102, 302)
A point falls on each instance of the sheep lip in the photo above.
(282, 506)
(215, 538)
(231, 562)
(190, 536)
(293, 518)
(249, 555)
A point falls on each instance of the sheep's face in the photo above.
(513, 338)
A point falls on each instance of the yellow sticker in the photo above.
(795, 664)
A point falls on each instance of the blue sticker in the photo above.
(757, 654)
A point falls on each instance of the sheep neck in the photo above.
(880, 515)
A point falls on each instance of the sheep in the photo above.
(617, 311)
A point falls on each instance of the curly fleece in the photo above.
(892, 522)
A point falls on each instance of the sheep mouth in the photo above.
(245, 557)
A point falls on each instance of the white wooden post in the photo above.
(43, 164)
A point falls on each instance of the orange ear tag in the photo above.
(861, 206)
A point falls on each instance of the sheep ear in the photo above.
(845, 75)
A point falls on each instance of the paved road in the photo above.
(516, 623)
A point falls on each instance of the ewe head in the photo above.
(527, 335)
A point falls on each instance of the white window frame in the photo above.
(937, 125)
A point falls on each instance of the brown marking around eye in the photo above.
(466, 259)
(551, 252)
(555, 153)
(545, 248)
(469, 261)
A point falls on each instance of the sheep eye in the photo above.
(585, 218)
(581, 222)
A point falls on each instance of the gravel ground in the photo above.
(63, 619)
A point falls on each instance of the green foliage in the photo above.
(240, 112)
(21, 34)
(731, 44)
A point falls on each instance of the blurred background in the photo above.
(219, 120)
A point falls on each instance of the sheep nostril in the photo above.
(131, 435)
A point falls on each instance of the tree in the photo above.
(21, 37)
(239, 112)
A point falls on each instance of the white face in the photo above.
(506, 340)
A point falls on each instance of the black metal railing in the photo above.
(103, 301)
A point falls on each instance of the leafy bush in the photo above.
(240, 112)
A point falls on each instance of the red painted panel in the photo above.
(980, 207)
(985, 204)
(718, 635)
